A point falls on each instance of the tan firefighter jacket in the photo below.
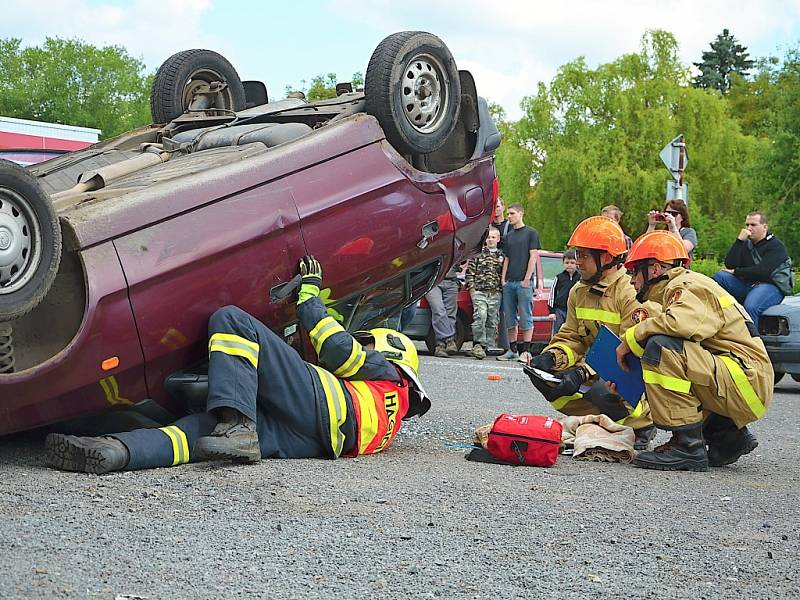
(697, 309)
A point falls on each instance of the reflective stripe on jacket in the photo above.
(344, 365)
(380, 407)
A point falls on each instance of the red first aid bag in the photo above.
(525, 440)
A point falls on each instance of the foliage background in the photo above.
(588, 138)
(591, 137)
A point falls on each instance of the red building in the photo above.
(28, 142)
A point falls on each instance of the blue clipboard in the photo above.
(602, 358)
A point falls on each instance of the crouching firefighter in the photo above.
(264, 401)
(701, 357)
(603, 296)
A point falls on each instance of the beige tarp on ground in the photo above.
(598, 438)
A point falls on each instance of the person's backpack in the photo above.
(782, 276)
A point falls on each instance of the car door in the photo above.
(368, 221)
(179, 271)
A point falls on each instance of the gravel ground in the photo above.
(418, 521)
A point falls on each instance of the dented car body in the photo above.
(163, 225)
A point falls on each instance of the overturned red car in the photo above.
(113, 257)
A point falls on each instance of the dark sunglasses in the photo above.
(674, 213)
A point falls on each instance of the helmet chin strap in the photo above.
(600, 268)
(641, 295)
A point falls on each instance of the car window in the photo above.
(420, 280)
(551, 267)
(378, 304)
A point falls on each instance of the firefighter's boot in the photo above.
(686, 452)
(234, 438)
(726, 442)
(644, 436)
(96, 455)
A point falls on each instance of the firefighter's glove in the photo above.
(571, 381)
(311, 278)
(607, 402)
(544, 361)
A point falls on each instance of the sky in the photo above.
(508, 45)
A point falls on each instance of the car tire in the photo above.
(30, 242)
(184, 74)
(778, 376)
(413, 88)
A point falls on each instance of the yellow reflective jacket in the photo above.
(610, 302)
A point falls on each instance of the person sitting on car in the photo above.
(604, 296)
(758, 270)
(264, 401)
(483, 283)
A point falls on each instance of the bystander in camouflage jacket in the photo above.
(484, 271)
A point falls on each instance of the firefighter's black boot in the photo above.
(726, 442)
(96, 455)
(234, 438)
(686, 452)
(644, 436)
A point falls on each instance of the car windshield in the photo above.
(551, 267)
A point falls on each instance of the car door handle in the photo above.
(428, 231)
(282, 290)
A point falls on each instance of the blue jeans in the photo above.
(517, 305)
(755, 297)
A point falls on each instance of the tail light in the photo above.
(495, 191)
(770, 325)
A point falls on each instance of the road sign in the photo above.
(675, 157)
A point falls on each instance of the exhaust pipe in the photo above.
(89, 181)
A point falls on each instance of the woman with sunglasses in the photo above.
(676, 218)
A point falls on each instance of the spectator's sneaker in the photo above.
(96, 455)
(231, 440)
(478, 352)
(509, 355)
(451, 347)
(440, 351)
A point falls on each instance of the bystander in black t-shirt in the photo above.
(517, 245)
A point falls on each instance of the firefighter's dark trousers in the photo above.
(255, 372)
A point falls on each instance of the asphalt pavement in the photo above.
(417, 521)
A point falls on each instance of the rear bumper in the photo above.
(785, 357)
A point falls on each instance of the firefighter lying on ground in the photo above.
(266, 401)
(604, 296)
(701, 357)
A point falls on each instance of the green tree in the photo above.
(513, 160)
(777, 172)
(726, 56)
(323, 87)
(598, 132)
(71, 82)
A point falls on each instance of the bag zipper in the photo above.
(525, 437)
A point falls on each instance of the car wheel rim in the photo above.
(200, 82)
(20, 241)
(426, 92)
